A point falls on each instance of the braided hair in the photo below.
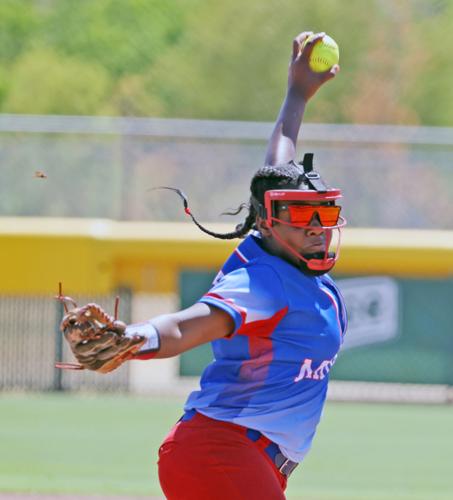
(285, 176)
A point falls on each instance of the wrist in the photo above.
(151, 335)
(296, 95)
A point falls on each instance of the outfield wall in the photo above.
(398, 284)
(100, 255)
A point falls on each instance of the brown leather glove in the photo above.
(96, 339)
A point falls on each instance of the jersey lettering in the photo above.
(307, 372)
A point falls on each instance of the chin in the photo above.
(314, 255)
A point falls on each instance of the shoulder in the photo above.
(252, 277)
(254, 286)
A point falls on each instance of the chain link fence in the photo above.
(32, 343)
(392, 177)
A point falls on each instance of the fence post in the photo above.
(58, 373)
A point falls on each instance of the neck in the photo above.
(270, 245)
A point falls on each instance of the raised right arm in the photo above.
(303, 83)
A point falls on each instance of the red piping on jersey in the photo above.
(230, 302)
(260, 346)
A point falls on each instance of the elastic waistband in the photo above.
(283, 464)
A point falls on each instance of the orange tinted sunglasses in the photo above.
(303, 214)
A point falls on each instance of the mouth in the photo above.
(317, 246)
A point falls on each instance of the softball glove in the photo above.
(96, 339)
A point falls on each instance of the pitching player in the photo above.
(276, 322)
(275, 319)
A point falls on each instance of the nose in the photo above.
(314, 224)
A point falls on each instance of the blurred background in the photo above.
(102, 100)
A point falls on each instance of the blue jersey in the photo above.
(271, 374)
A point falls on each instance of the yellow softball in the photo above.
(324, 55)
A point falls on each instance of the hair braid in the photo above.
(288, 175)
(241, 229)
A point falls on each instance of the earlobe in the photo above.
(263, 226)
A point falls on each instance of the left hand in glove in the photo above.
(96, 339)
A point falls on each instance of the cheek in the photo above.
(295, 236)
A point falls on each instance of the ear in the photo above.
(263, 226)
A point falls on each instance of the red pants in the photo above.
(206, 459)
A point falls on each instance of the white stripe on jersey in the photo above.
(241, 255)
(335, 304)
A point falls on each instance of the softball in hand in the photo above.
(324, 55)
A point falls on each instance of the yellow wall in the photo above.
(97, 256)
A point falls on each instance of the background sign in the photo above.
(373, 310)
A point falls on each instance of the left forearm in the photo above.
(172, 334)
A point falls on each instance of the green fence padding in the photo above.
(421, 353)
(193, 284)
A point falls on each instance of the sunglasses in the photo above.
(303, 214)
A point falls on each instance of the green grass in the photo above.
(108, 445)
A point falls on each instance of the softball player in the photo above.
(276, 321)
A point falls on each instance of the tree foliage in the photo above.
(44, 82)
(223, 60)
